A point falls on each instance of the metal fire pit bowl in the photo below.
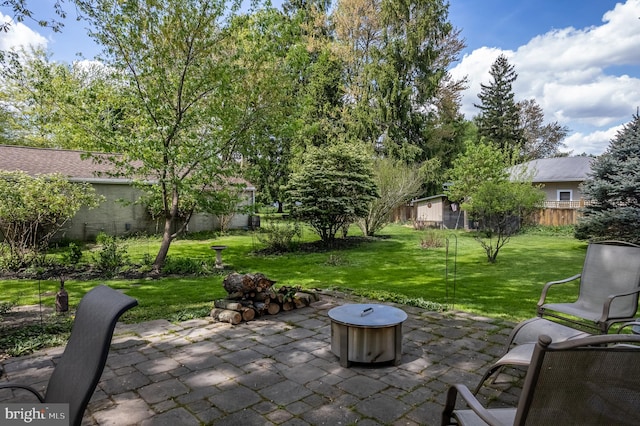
(366, 333)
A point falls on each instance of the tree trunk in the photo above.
(171, 212)
(167, 237)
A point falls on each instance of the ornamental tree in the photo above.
(495, 194)
(33, 209)
(332, 188)
(613, 190)
(397, 183)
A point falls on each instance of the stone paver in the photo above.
(279, 370)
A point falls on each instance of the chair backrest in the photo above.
(589, 381)
(611, 267)
(78, 371)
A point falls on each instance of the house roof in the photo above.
(40, 161)
(560, 169)
(432, 197)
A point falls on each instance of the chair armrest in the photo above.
(472, 402)
(18, 386)
(607, 304)
(548, 285)
(635, 323)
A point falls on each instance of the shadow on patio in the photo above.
(280, 370)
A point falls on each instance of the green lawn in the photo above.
(395, 264)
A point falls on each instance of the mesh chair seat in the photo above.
(78, 370)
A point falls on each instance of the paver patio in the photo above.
(279, 370)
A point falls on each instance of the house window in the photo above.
(565, 195)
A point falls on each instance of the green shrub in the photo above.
(72, 255)
(111, 256)
(280, 237)
(432, 239)
(186, 266)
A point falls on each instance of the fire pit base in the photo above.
(366, 333)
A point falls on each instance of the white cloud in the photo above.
(592, 143)
(19, 35)
(580, 77)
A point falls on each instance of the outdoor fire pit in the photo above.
(366, 333)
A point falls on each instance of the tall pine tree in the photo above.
(499, 119)
(613, 189)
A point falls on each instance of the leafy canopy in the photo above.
(33, 209)
(496, 195)
(332, 188)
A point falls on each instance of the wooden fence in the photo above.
(556, 217)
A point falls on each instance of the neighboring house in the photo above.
(118, 214)
(560, 179)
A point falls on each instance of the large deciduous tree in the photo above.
(22, 11)
(499, 119)
(540, 140)
(273, 55)
(51, 104)
(399, 96)
(187, 107)
(332, 188)
(613, 190)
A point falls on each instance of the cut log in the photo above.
(248, 314)
(262, 282)
(246, 283)
(288, 306)
(263, 296)
(273, 308)
(302, 299)
(313, 296)
(236, 283)
(260, 307)
(226, 315)
(225, 304)
(236, 295)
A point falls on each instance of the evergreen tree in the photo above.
(499, 119)
(613, 189)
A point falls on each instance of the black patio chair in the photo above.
(588, 381)
(78, 370)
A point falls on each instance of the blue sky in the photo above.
(579, 59)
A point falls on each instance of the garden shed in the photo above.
(118, 214)
(437, 212)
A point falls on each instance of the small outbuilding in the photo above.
(437, 212)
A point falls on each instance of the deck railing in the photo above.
(565, 204)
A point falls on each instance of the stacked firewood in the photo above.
(253, 295)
